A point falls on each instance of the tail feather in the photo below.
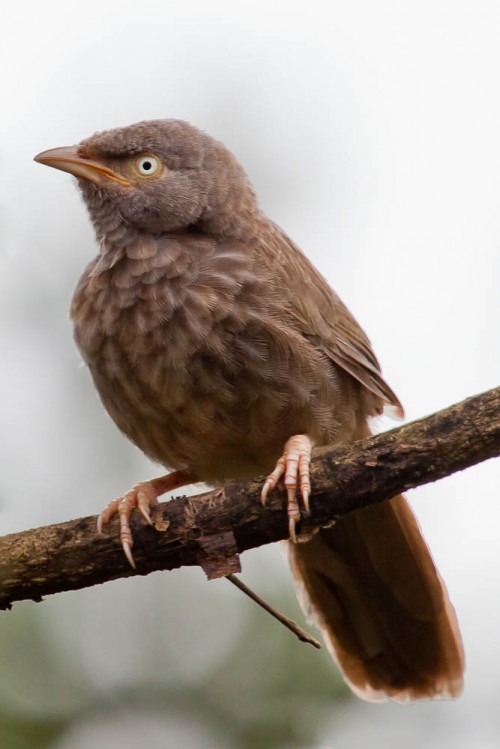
(371, 586)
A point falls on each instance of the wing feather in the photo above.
(325, 321)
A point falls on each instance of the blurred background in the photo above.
(371, 132)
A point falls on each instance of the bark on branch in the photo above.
(211, 529)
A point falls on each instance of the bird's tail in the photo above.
(371, 586)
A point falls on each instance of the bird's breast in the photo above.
(196, 362)
(157, 327)
(155, 298)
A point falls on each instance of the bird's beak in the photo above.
(67, 159)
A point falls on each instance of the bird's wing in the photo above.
(323, 319)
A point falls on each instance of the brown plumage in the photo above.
(221, 352)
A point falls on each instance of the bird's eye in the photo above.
(147, 166)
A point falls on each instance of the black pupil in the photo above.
(147, 165)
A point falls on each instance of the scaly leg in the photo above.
(144, 496)
(294, 465)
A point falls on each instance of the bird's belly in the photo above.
(219, 401)
(209, 428)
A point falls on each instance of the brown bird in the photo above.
(222, 353)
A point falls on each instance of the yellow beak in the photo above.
(67, 159)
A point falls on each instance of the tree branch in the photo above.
(211, 529)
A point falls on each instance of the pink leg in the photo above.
(294, 465)
(142, 496)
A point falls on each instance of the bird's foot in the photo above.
(142, 496)
(294, 465)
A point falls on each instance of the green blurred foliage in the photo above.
(259, 686)
(20, 732)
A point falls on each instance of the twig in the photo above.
(288, 623)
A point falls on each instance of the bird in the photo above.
(222, 353)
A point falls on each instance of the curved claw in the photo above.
(272, 480)
(142, 496)
(108, 512)
(146, 498)
(127, 549)
(294, 465)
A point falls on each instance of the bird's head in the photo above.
(157, 176)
